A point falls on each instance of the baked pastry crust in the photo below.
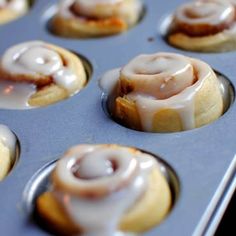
(79, 26)
(220, 42)
(134, 100)
(7, 150)
(148, 211)
(207, 109)
(7, 14)
(208, 36)
(5, 161)
(47, 91)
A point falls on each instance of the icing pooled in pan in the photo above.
(36, 73)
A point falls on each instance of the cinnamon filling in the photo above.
(37, 63)
(203, 29)
(203, 18)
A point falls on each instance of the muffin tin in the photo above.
(204, 159)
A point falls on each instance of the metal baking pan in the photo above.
(203, 159)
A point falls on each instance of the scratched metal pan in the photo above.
(203, 159)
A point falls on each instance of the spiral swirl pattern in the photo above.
(42, 63)
(160, 75)
(97, 185)
(99, 9)
(204, 17)
(96, 171)
(161, 93)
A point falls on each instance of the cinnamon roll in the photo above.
(204, 25)
(7, 150)
(36, 74)
(102, 189)
(89, 18)
(163, 92)
(12, 9)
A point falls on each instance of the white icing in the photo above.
(94, 3)
(147, 102)
(107, 8)
(129, 11)
(3, 3)
(15, 95)
(19, 6)
(161, 75)
(8, 139)
(101, 215)
(103, 168)
(126, 166)
(31, 58)
(231, 1)
(231, 32)
(109, 84)
(109, 81)
(205, 12)
(65, 78)
(35, 58)
(224, 85)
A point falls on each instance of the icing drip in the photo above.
(109, 81)
(225, 88)
(99, 212)
(146, 75)
(66, 79)
(204, 17)
(35, 58)
(8, 139)
(15, 95)
(14, 5)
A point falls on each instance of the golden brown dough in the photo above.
(13, 9)
(55, 219)
(219, 42)
(7, 150)
(164, 92)
(204, 26)
(149, 210)
(5, 161)
(52, 85)
(70, 21)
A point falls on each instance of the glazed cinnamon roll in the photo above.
(12, 9)
(7, 150)
(102, 189)
(36, 74)
(90, 18)
(163, 92)
(204, 25)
